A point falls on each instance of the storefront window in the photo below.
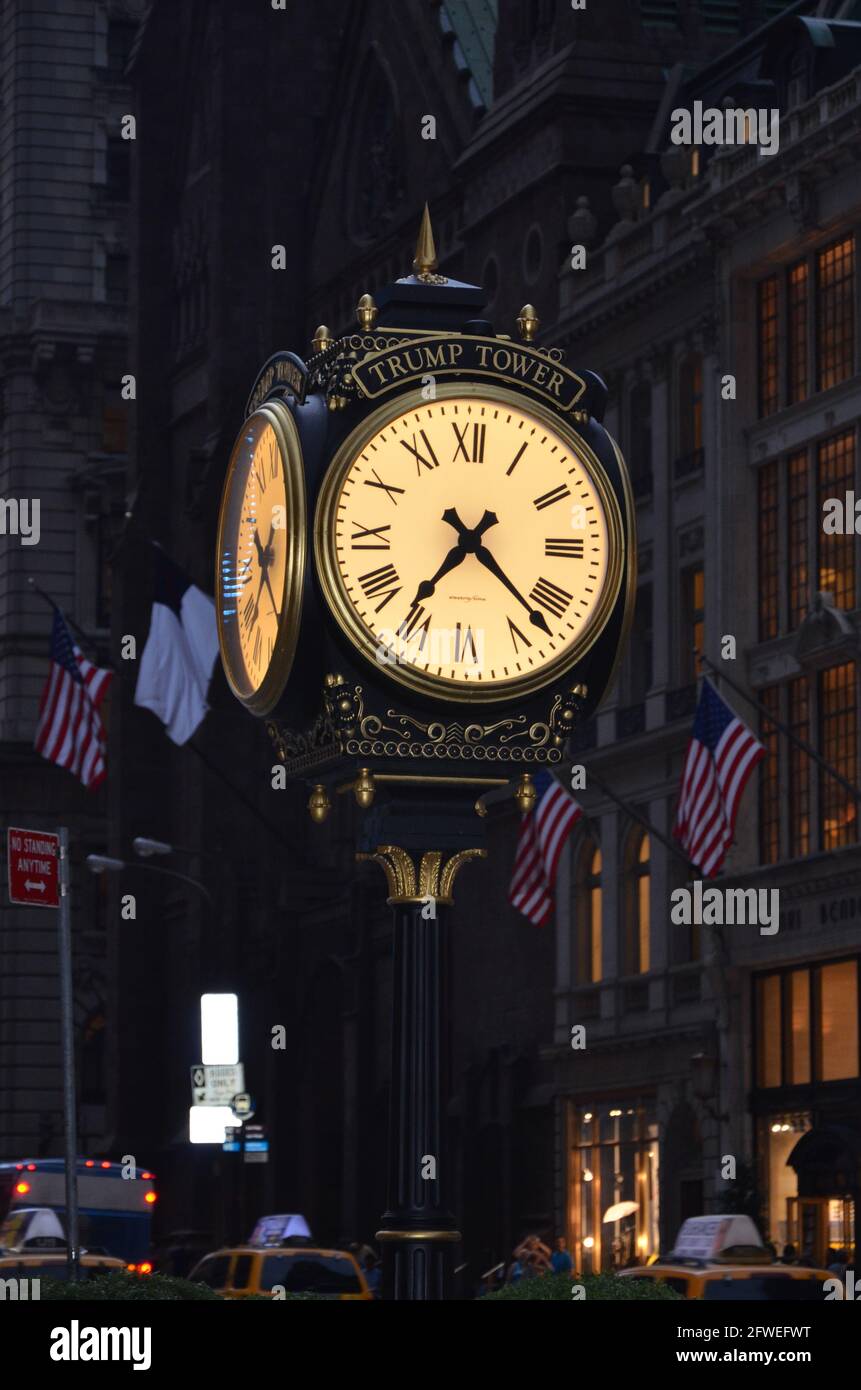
(807, 1025)
(838, 1014)
(613, 1171)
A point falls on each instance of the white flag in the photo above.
(177, 661)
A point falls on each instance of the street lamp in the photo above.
(146, 847)
(103, 863)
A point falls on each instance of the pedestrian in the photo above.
(560, 1260)
(373, 1273)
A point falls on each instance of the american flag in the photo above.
(721, 756)
(543, 832)
(70, 731)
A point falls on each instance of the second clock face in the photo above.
(471, 543)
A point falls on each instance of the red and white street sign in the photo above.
(33, 861)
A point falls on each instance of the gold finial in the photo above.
(322, 339)
(333, 678)
(363, 788)
(528, 323)
(425, 261)
(366, 313)
(319, 804)
(526, 795)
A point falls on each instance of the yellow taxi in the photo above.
(51, 1264)
(242, 1270)
(723, 1257)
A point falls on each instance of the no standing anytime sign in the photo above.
(33, 858)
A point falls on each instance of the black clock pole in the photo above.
(418, 1232)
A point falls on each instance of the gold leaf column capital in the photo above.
(433, 879)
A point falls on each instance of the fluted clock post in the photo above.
(418, 1232)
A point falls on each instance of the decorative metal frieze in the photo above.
(345, 727)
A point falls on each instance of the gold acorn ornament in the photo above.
(366, 313)
(528, 323)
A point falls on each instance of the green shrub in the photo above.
(604, 1288)
(123, 1287)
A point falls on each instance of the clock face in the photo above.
(260, 557)
(470, 544)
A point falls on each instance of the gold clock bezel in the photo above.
(342, 609)
(264, 699)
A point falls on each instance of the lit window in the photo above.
(835, 321)
(836, 476)
(838, 718)
(837, 987)
(589, 917)
(769, 553)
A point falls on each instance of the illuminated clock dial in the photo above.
(471, 543)
(260, 557)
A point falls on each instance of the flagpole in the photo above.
(212, 767)
(647, 824)
(854, 792)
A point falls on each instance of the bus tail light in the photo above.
(22, 1188)
(150, 1197)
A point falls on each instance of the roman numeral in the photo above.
(517, 457)
(515, 632)
(379, 581)
(270, 651)
(388, 488)
(478, 433)
(548, 498)
(249, 613)
(413, 624)
(468, 641)
(551, 597)
(257, 642)
(419, 457)
(561, 545)
(273, 461)
(362, 532)
(261, 480)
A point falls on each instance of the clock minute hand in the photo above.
(485, 558)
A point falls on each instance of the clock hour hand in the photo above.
(485, 558)
(455, 556)
(466, 533)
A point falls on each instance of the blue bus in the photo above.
(115, 1213)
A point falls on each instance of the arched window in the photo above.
(637, 912)
(589, 916)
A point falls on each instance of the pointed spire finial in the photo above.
(425, 263)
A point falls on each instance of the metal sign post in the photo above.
(68, 1051)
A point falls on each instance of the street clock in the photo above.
(459, 586)
(260, 557)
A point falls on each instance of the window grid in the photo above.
(835, 317)
(798, 514)
(797, 299)
(769, 779)
(769, 616)
(767, 318)
(799, 769)
(836, 476)
(838, 742)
